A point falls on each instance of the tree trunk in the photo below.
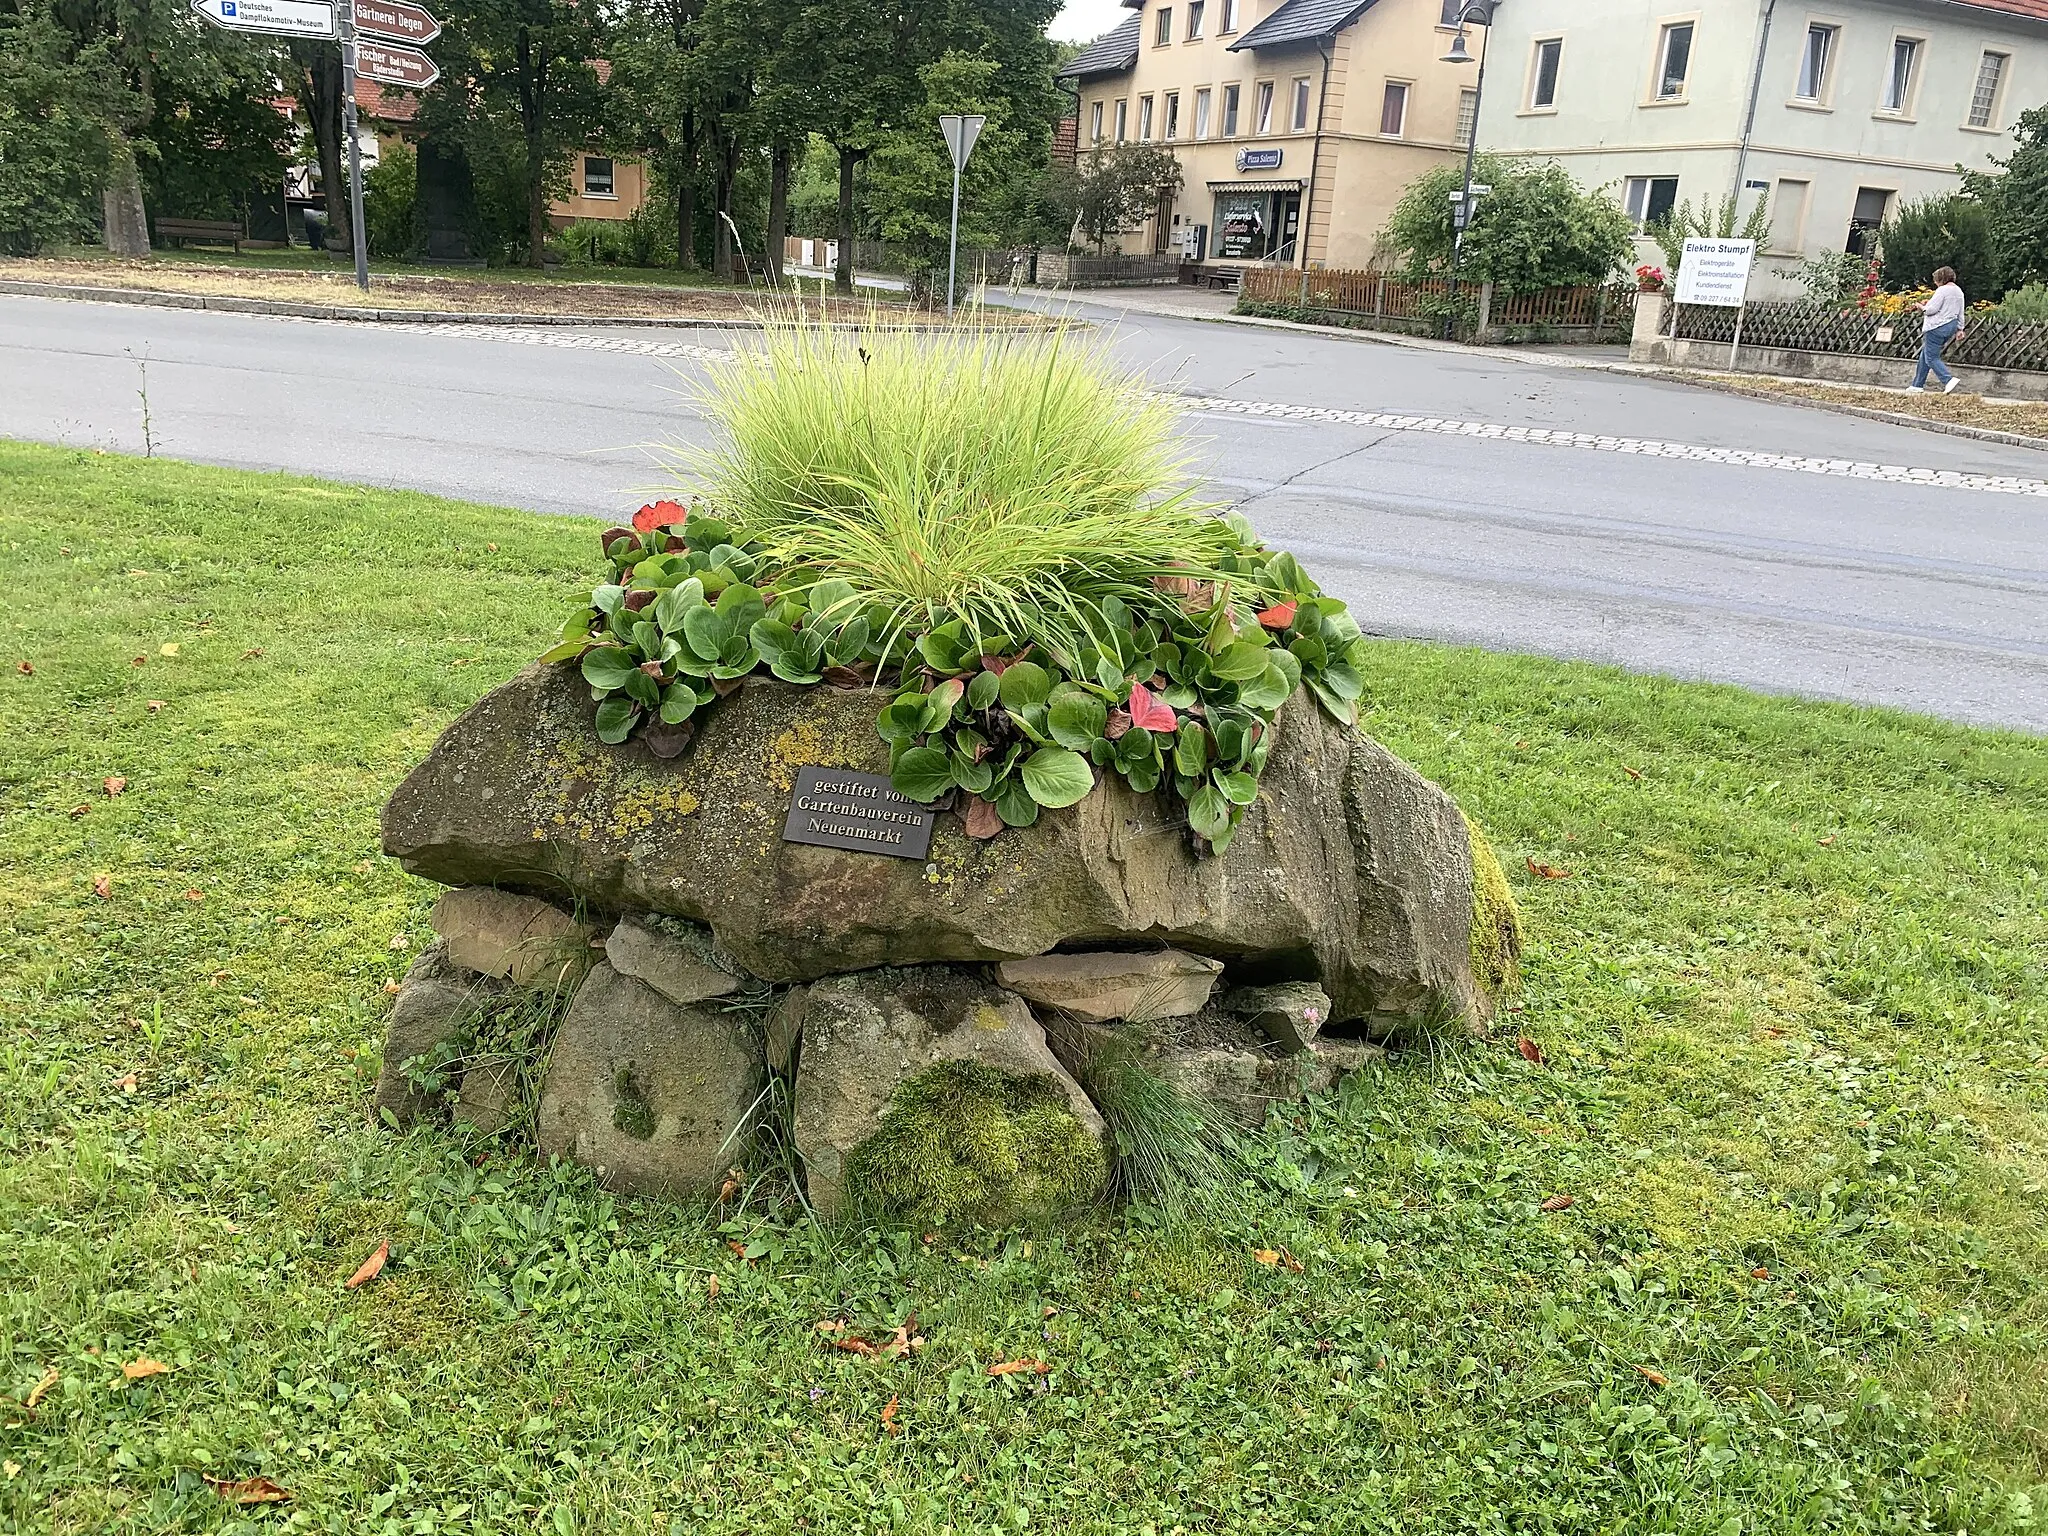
(686, 198)
(127, 225)
(778, 209)
(532, 90)
(320, 89)
(727, 145)
(842, 270)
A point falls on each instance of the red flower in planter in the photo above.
(1147, 713)
(661, 514)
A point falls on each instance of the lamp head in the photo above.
(1458, 55)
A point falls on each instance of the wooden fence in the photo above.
(1384, 300)
(1988, 341)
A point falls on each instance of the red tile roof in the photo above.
(2036, 10)
(392, 106)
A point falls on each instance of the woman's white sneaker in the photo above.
(1950, 387)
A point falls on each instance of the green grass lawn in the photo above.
(1792, 999)
(299, 259)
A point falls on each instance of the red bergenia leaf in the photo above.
(612, 536)
(635, 601)
(1280, 615)
(1148, 713)
(1119, 722)
(660, 514)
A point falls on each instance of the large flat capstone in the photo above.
(1351, 870)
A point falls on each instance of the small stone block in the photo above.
(501, 933)
(1106, 985)
(680, 970)
(1292, 1014)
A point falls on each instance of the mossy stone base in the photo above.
(1496, 920)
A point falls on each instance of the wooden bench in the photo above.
(1228, 278)
(213, 231)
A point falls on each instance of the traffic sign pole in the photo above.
(355, 148)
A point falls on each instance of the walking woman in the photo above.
(1941, 324)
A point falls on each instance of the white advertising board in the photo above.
(1715, 272)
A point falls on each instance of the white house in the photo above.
(1833, 111)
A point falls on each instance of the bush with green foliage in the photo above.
(1834, 277)
(987, 527)
(2028, 303)
(1709, 221)
(390, 197)
(55, 139)
(1118, 185)
(1536, 229)
(1936, 232)
(2015, 199)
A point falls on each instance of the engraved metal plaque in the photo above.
(860, 812)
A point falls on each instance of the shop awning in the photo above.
(1268, 184)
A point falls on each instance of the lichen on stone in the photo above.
(579, 774)
(1496, 920)
(964, 1142)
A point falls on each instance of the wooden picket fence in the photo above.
(1382, 299)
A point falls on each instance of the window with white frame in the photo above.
(1468, 116)
(1297, 112)
(1122, 120)
(1162, 27)
(1195, 9)
(1230, 95)
(1984, 97)
(1144, 119)
(1649, 199)
(1202, 113)
(1394, 109)
(1899, 75)
(1819, 54)
(1543, 64)
(1262, 116)
(1674, 60)
(598, 179)
(1095, 123)
(1227, 21)
(1173, 114)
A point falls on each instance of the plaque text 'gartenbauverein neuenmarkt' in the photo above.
(838, 808)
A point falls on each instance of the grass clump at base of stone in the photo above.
(964, 1142)
(1790, 996)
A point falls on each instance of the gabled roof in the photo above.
(1111, 54)
(1302, 21)
(2035, 10)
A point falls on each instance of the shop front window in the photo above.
(1257, 226)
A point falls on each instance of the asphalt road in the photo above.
(1444, 495)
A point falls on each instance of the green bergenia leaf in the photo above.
(1056, 777)
(922, 774)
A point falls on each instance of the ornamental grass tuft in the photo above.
(1007, 480)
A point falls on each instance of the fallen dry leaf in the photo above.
(1826, 841)
(126, 1083)
(138, 661)
(854, 1346)
(1759, 1273)
(1014, 1367)
(26, 669)
(903, 1339)
(250, 1490)
(193, 893)
(79, 810)
(492, 548)
(137, 1370)
(251, 654)
(983, 820)
(1052, 1312)
(734, 1179)
(1654, 1378)
(1634, 773)
(113, 784)
(154, 706)
(391, 987)
(1531, 1051)
(1548, 871)
(371, 1267)
(889, 1417)
(1266, 1255)
(103, 888)
(399, 941)
(711, 1288)
(41, 1389)
(168, 648)
(1558, 1203)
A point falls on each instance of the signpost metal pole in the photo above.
(961, 130)
(355, 148)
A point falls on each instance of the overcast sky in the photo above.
(1085, 20)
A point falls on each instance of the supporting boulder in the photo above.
(657, 1098)
(438, 1005)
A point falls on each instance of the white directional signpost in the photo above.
(393, 59)
(281, 18)
(1717, 272)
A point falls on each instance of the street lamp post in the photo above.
(961, 130)
(1480, 11)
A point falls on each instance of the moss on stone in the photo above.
(961, 1141)
(1496, 920)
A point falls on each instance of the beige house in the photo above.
(1831, 112)
(1297, 123)
(600, 187)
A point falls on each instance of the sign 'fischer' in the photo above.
(399, 20)
(389, 64)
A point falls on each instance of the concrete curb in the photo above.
(1842, 408)
(160, 299)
